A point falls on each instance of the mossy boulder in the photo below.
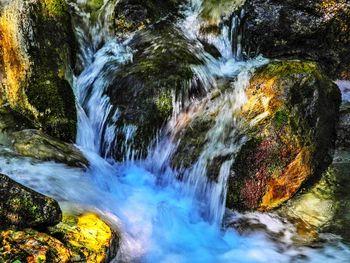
(304, 29)
(78, 238)
(37, 50)
(281, 135)
(22, 207)
(292, 111)
(36, 144)
(144, 89)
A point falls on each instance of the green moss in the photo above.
(57, 8)
(95, 4)
(164, 104)
(280, 118)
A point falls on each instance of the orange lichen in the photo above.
(286, 185)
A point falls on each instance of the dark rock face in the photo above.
(33, 143)
(136, 14)
(143, 90)
(307, 29)
(22, 207)
(11, 121)
(37, 49)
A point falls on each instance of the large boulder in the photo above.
(143, 90)
(22, 207)
(292, 111)
(37, 46)
(279, 138)
(36, 144)
(306, 29)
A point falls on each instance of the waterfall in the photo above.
(162, 218)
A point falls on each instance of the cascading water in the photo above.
(162, 219)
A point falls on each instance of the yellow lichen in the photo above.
(34, 246)
(86, 234)
(15, 62)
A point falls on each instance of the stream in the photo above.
(161, 218)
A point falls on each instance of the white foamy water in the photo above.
(344, 86)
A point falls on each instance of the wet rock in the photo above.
(307, 29)
(22, 207)
(275, 140)
(34, 143)
(343, 134)
(78, 238)
(88, 238)
(292, 111)
(37, 46)
(11, 121)
(31, 246)
(323, 206)
(136, 14)
(144, 90)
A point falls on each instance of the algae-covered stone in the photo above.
(292, 111)
(22, 207)
(31, 246)
(78, 238)
(37, 46)
(88, 238)
(34, 143)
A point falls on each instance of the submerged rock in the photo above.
(78, 238)
(306, 29)
(34, 143)
(22, 207)
(37, 44)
